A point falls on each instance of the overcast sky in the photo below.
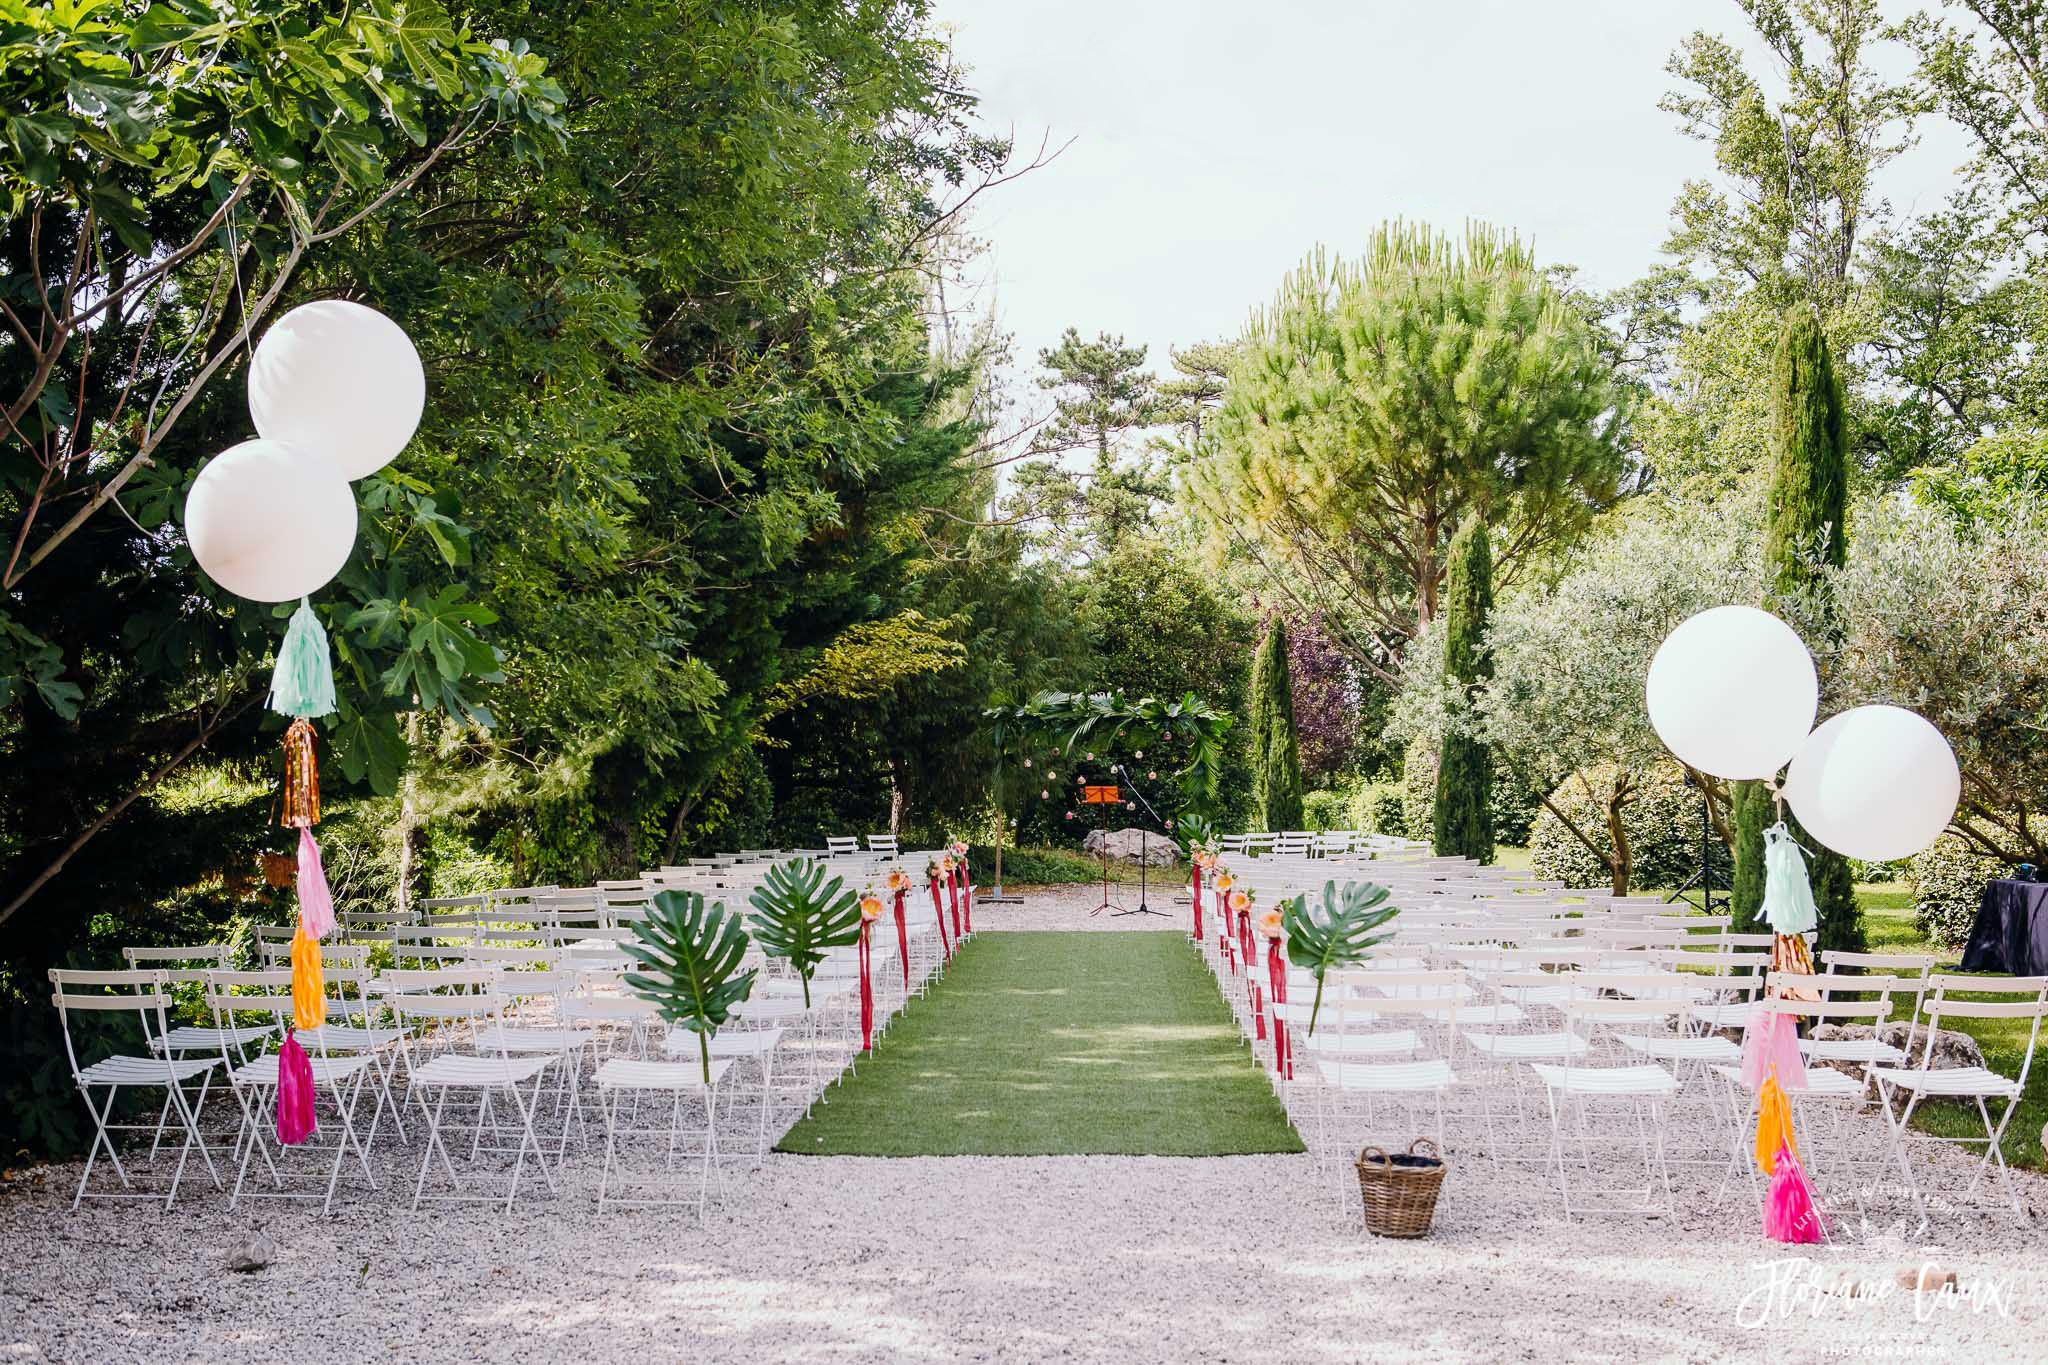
(1216, 141)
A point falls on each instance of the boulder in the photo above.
(253, 1255)
(1130, 845)
(1951, 1047)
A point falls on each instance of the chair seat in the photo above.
(1500, 1016)
(1432, 1074)
(774, 1007)
(1523, 1046)
(481, 1071)
(729, 1043)
(1606, 1080)
(1822, 1083)
(347, 1038)
(123, 1070)
(622, 1073)
(1708, 1049)
(613, 1007)
(194, 1038)
(1731, 1014)
(326, 1070)
(1958, 1080)
(507, 1038)
(1852, 1050)
(1361, 1044)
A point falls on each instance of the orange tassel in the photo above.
(309, 1008)
(1773, 1125)
(301, 777)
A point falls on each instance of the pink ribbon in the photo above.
(296, 1120)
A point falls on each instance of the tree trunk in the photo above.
(899, 797)
(408, 817)
(1619, 862)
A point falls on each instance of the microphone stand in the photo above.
(1144, 836)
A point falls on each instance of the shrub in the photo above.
(1326, 810)
(1514, 806)
(1418, 788)
(1037, 866)
(1948, 884)
(1662, 823)
(1376, 808)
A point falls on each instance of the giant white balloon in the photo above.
(1876, 782)
(268, 522)
(338, 380)
(1732, 692)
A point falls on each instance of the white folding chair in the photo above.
(2028, 1000)
(458, 1000)
(1574, 1088)
(141, 993)
(254, 1082)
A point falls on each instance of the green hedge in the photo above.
(1327, 810)
(1662, 824)
(1038, 866)
(1948, 884)
(1377, 808)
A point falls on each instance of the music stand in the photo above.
(1103, 796)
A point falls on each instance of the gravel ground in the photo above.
(1126, 1259)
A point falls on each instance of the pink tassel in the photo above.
(316, 904)
(1771, 1042)
(1789, 1214)
(295, 1119)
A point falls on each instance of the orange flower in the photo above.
(1239, 900)
(946, 866)
(1269, 924)
(899, 880)
(1224, 881)
(870, 907)
(1204, 858)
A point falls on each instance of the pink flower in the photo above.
(1152, 776)
(1070, 815)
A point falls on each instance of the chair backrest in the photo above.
(1894, 964)
(197, 955)
(136, 992)
(2027, 998)
(883, 843)
(445, 993)
(841, 844)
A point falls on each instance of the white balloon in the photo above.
(1732, 692)
(338, 380)
(269, 523)
(1876, 782)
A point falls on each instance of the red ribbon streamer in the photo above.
(903, 940)
(1283, 1049)
(1244, 934)
(953, 895)
(967, 891)
(938, 910)
(1259, 1012)
(1198, 902)
(867, 992)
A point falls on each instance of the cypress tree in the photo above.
(1464, 773)
(1752, 811)
(1807, 534)
(1276, 750)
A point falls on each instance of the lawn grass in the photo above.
(1055, 1044)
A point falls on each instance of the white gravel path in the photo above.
(1114, 1259)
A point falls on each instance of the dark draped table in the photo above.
(2011, 933)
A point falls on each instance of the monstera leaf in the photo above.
(1196, 831)
(690, 957)
(1338, 933)
(798, 915)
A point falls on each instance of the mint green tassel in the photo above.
(303, 683)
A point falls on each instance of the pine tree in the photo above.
(1276, 750)
(1806, 535)
(1464, 774)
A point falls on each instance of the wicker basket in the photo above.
(1400, 1190)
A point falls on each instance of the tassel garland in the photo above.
(309, 987)
(301, 777)
(316, 903)
(296, 1120)
(1770, 1048)
(302, 684)
(1773, 1126)
(1789, 1212)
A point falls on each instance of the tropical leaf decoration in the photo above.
(1196, 830)
(799, 915)
(1338, 933)
(1101, 719)
(689, 955)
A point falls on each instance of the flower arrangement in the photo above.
(899, 880)
(870, 906)
(1223, 881)
(959, 849)
(1239, 901)
(931, 871)
(1272, 924)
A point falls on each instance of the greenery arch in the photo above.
(1072, 718)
